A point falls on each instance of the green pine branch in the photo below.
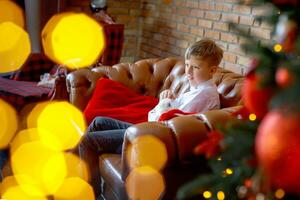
(237, 151)
(239, 135)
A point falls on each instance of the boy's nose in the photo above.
(189, 70)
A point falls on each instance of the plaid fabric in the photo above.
(36, 65)
(19, 93)
(114, 38)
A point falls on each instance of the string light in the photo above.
(219, 158)
(229, 171)
(260, 196)
(252, 117)
(207, 194)
(279, 194)
(242, 191)
(220, 195)
(277, 47)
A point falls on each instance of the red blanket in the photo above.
(112, 99)
(173, 113)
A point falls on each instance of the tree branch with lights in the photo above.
(256, 156)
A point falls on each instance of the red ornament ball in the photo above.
(255, 98)
(248, 183)
(283, 77)
(278, 150)
(286, 2)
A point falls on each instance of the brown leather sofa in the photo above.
(180, 134)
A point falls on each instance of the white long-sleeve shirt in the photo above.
(202, 98)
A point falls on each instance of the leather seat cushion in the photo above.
(110, 170)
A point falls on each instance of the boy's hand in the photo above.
(167, 94)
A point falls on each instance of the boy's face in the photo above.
(198, 70)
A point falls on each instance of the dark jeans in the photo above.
(104, 135)
(3, 159)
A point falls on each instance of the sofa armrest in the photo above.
(80, 85)
(178, 137)
(180, 134)
(214, 118)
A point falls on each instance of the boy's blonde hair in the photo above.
(205, 49)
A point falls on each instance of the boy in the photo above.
(105, 135)
(201, 61)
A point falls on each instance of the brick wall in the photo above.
(169, 28)
(161, 28)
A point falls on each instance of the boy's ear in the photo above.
(213, 69)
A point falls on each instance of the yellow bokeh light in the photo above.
(144, 183)
(74, 188)
(10, 11)
(147, 150)
(73, 39)
(229, 171)
(35, 134)
(76, 167)
(62, 119)
(32, 119)
(17, 193)
(11, 181)
(279, 194)
(221, 195)
(9, 123)
(277, 47)
(24, 136)
(14, 47)
(35, 164)
(252, 117)
(7, 182)
(207, 194)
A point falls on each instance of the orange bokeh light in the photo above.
(147, 150)
(76, 167)
(144, 183)
(74, 188)
(10, 11)
(9, 123)
(10, 190)
(14, 47)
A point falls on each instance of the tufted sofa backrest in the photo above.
(150, 77)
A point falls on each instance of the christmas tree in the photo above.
(257, 155)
